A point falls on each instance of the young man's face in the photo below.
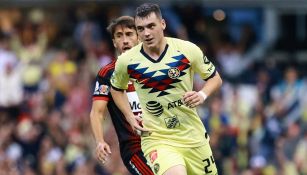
(124, 38)
(150, 30)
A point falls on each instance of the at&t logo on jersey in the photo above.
(175, 104)
(155, 108)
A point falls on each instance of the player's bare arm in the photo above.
(121, 100)
(97, 117)
(193, 98)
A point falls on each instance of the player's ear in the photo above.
(163, 23)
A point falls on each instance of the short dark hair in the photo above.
(146, 9)
(124, 21)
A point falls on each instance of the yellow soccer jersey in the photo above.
(160, 85)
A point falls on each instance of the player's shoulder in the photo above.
(183, 46)
(133, 52)
(107, 69)
(180, 43)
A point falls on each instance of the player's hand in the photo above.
(102, 152)
(193, 99)
(136, 124)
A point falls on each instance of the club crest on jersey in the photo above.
(173, 72)
(104, 89)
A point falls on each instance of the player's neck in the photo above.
(118, 53)
(155, 52)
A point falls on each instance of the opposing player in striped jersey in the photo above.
(124, 37)
(162, 70)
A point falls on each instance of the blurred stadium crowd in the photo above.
(49, 57)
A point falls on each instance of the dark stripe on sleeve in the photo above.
(101, 98)
(211, 76)
(117, 89)
(106, 69)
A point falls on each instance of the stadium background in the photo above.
(50, 52)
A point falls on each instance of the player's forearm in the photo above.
(96, 124)
(121, 100)
(212, 84)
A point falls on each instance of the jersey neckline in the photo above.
(151, 59)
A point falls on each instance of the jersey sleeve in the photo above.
(120, 76)
(200, 63)
(102, 89)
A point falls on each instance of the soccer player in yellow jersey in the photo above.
(173, 137)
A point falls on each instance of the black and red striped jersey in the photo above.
(129, 142)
